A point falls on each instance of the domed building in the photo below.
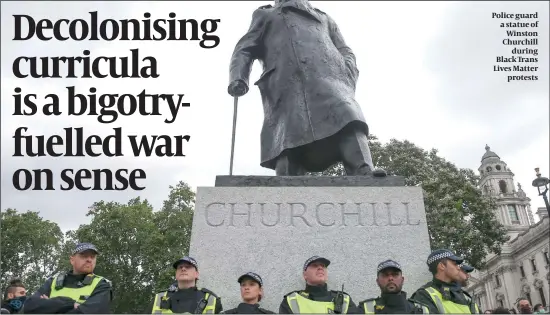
(522, 269)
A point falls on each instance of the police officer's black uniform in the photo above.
(97, 303)
(319, 293)
(391, 303)
(451, 292)
(245, 308)
(190, 300)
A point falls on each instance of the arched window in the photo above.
(502, 186)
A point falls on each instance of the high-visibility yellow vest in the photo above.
(445, 306)
(368, 307)
(80, 295)
(209, 302)
(302, 305)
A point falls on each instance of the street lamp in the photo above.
(542, 185)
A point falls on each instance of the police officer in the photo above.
(316, 298)
(184, 296)
(75, 291)
(392, 300)
(465, 274)
(251, 293)
(442, 295)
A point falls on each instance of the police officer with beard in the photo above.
(316, 298)
(78, 291)
(442, 295)
(465, 274)
(392, 300)
(184, 297)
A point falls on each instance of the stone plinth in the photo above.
(273, 230)
(309, 181)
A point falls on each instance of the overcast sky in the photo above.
(426, 76)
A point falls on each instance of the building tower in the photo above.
(523, 263)
(497, 181)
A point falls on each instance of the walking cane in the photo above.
(235, 100)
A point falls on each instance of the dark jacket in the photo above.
(393, 303)
(308, 80)
(317, 293)
(187, 300)
(245, 308)
(13, 306)
(97, 303)
(450, 291)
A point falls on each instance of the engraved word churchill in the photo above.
(298, 214)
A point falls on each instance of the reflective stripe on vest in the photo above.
(449, 307)
(368, 306)
(78, 294)
(157, 309)
(302, 305)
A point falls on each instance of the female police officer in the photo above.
(251, 293)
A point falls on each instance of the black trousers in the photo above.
(352, 148)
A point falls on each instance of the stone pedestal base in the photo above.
(272, 230)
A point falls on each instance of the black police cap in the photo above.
(388, 264)
(253, 276)
(186, 259)
(313, 259)
(437, 255)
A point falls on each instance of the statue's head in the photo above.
(283, 1)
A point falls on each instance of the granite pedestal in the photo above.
(271, 225)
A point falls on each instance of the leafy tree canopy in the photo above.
(459, 217)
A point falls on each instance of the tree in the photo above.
(458, 215)
(174, 222)
(30, 248)
(138, 246)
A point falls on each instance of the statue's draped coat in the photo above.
(308, 80)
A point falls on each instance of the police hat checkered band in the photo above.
(84, 247)
(254, 276)
(187, 259)
(441, 255)
(316, 258)
(388, 264)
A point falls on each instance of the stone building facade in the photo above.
(522, 269)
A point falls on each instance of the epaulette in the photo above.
(368, 300)
(162, 291)
(208, 291)
(337, 291)
(301, 292)
(108, 281)
(267, 6)
(466, 293)
(416, 302)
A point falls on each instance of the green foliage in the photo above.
(471, 230)
(137, 246)
(30, 247)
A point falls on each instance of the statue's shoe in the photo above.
(379, 172)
